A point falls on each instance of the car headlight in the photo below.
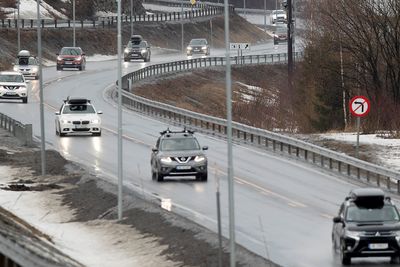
(353, 234)
(199, 158)
(35, 69)
(126, 51)
(143, 51)
(65, 121)
(15, 68)
(189, 48)
(166, 160)
(59, 58)
(204, 47)
(95, 121)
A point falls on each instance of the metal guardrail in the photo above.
(104, 22)
(22, 131)
(321, 157)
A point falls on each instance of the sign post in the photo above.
(359, 107)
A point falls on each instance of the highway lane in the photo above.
(282, 207)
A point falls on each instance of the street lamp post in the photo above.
(18, 30)
(73, 22)
(182, 42)
(39, 37)
(229, 137)
(119, 43)
(132, 17)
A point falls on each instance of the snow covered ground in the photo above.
(28, 10)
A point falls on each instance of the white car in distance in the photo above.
(78, 115)
(278, 16)
(13, 86)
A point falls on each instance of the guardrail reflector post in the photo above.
(348, 170)
(388, 182)
(378, 180)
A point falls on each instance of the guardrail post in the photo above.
(281, 146)
(378, 180)
(55, 23)
(313, 157)
(244, 136)
(339, 166)
(388, 182)
(322, 161)
(274, 145)
(297, 151)
(42, 23)
(82, 24)
(259, 140)
(266, 142)
(398, 186)
(348, 170)
(358, 173)
(306, 155)
(330, 164)
(289, 149)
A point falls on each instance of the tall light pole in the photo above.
(18, 30)
(119, 43)
(182, 43)
(39, 37)
(290, 43)
(229, 136)
(265, 15)
(131, 17)
(73, 22)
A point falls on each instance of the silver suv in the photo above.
(178, 154)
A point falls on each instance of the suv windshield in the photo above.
(11, 78)
(70, 52)
(177, 144)
(360, 214)
(72, 109)
(198, 42)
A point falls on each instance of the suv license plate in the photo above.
(378, 246)
(183, 167)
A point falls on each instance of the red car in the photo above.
(71, 57)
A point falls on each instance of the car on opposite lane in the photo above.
(27, 65)
(198, 46)
(178, 153)
(280, 35)
(137, 48)
(278, 16)
(71, 57)
(13, 86)
(78, 115)
(368, 225)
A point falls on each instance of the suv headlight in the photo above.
(188, 48)
(166, 160)
(126, 51)
(204, 47)
(353, 234)
(65, 121)
(199, 158)
(15, 68)
(95, 121)
(143, 51)
(35, 69)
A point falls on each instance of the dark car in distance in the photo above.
(71, 57)
(368, 225)
(198, 46)
(178, 153)
(137, 48)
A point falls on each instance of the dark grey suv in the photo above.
(137, 48)
(368, 225)
(178, 153)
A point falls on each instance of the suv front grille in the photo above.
(11, 87)
(182, 159)
(378, 233)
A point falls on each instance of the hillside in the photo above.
(103, 41)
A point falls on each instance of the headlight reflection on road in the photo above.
(96, 144)
(65, 144)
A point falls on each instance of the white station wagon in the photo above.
(78, 115)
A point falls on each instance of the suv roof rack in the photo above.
(184, 131)
(76, 100)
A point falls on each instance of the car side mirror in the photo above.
(57, 113)
(154, 149)
(205, 147)
(337, 219)
(99, 112)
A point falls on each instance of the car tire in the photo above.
(159, 177)
(395, 259)
(24, 100)
(57, 132)
(59, 68)
(202, 177)
(80, 67)
(126, 60)
(37, 77)
(344, 259)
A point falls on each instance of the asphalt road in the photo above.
(283, 209)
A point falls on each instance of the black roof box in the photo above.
(367, 197)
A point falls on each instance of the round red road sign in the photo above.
(359, 106)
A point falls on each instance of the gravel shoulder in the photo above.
(77, 211)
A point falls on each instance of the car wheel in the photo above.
(59, 68)
(24, 100)
(153, 175)
(80, 67)
(126, 60)
(395, 259)
(57, 132)
(160, 177)
(37, 77)
(345, 259)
